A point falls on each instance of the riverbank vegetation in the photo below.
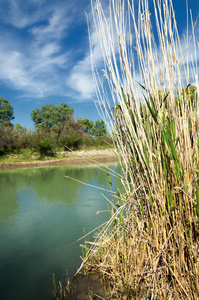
(149, 247)
(55, 131)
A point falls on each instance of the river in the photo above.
(41, 213)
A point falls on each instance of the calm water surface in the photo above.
(41, 212)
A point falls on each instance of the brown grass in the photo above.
(149, 249)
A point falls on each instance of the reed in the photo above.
(149, 249)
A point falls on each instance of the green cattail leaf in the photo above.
(153, 104)
(109, 180)
(146, 156)
(142, 86)
(171, 200)
(164, 132)
(117, 107)
(164, 169)
(93, 273)
(171, 129)
(165, 98)
(133, 121)
(179, 169)
(173, 150)
(150, 198)
(163, 117)
(177, 141)
(174, 130)
(169, 141)
(142, 209)
(60, 290)
(152, 111)
(124, 97)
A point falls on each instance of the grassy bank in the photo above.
(27, 155)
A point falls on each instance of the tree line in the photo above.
(55, 128)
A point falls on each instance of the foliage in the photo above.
(43, 142)
(6, 137)
(99, 129)
(72, 136)
(50, 115)
(55, 127)
(20, 130)
(190, 93)
(6, 112)
(87, 125)
(96, 129)
(22, 137)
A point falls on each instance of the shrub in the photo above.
(43, 142)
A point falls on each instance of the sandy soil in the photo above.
(77, 157)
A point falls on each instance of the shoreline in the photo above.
(73, 158)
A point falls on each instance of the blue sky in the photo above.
(45, 57)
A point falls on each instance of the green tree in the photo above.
(87, 125)
(21, 137)
(6, 112)
(190, 92)
(19, 129)
(98, 129)
(50, 115)
(6, 137)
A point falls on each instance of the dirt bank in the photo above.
(76, 157)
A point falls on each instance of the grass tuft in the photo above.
(149, 247)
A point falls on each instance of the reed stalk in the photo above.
(149, 249)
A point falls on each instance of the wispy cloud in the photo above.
(31, 78)
(56, 26)
(21, 13)
(37, 55)
(33, 57)
(80, 77)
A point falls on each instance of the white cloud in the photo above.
(38, 64)
(33, 55)
(20, 13)
(83, 84)
(37, 74)
(80, 78)
(56, 27)
(16, 71)
(35, 65)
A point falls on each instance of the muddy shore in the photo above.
(72, 158)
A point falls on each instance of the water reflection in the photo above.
(40, 213)
(49, 184)
(8, 204)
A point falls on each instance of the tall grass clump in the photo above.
(149, 249)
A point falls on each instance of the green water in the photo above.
(41, 212)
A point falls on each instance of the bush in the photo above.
(74, 141)
(42, 143)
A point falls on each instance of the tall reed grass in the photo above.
(149, 249)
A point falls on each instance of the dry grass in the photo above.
(149, 249)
